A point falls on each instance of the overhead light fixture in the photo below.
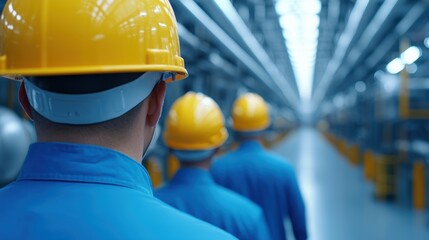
(395, 66)
(288, 21)
(311, 20)
(284, 33)
(411, 68)
(410, 55)
(314, 8)
(300, 21)
(282, 7)
(339, 100)
(360, 87)
(426, 42)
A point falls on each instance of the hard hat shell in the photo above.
(51, 37)
(195, 122)
(250, 113)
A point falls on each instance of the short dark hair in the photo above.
(80, 84)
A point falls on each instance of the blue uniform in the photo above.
(193, 191)
(269, 181)
(72, 191)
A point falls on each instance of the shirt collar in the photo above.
(250, 145)
(83, 163)
(192, 175)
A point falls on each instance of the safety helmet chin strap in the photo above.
(90, 108)
(193, 156)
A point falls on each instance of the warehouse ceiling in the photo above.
(300, 53)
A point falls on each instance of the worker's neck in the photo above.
(203, 164)
(246, 139)
(130, 145)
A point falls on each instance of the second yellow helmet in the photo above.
(250, 113)
(195, 122)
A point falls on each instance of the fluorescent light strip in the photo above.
(300, 22)
(408, 57)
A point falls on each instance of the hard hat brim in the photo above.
(49, 71)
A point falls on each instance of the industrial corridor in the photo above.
(214, 119)
(340, 202)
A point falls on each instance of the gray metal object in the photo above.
(15, 138)
(31, 131)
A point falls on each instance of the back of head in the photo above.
(250, 115)
(195, 125)
(88, 62)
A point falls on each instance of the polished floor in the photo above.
(340, 202)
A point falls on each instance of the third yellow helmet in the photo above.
(250, 113)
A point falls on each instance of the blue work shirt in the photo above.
(72, 191)
(269, 181)
(193, 191)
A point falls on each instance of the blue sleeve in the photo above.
(261, 230)
(296, 208)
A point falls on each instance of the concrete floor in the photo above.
(340, 203)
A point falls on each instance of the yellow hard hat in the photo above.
(42, 38)
(250, 113)
(195, 122)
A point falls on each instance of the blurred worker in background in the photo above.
(194, 132)
(94, 84)
(263, 177)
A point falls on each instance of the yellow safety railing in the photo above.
(369, 165)
(173, 165)
(154, 169)
(419, 185)
(343, 147)
(405, 111)
(386, 176)
(353, 154)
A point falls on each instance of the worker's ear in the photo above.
(156, 101)
(23, 99)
